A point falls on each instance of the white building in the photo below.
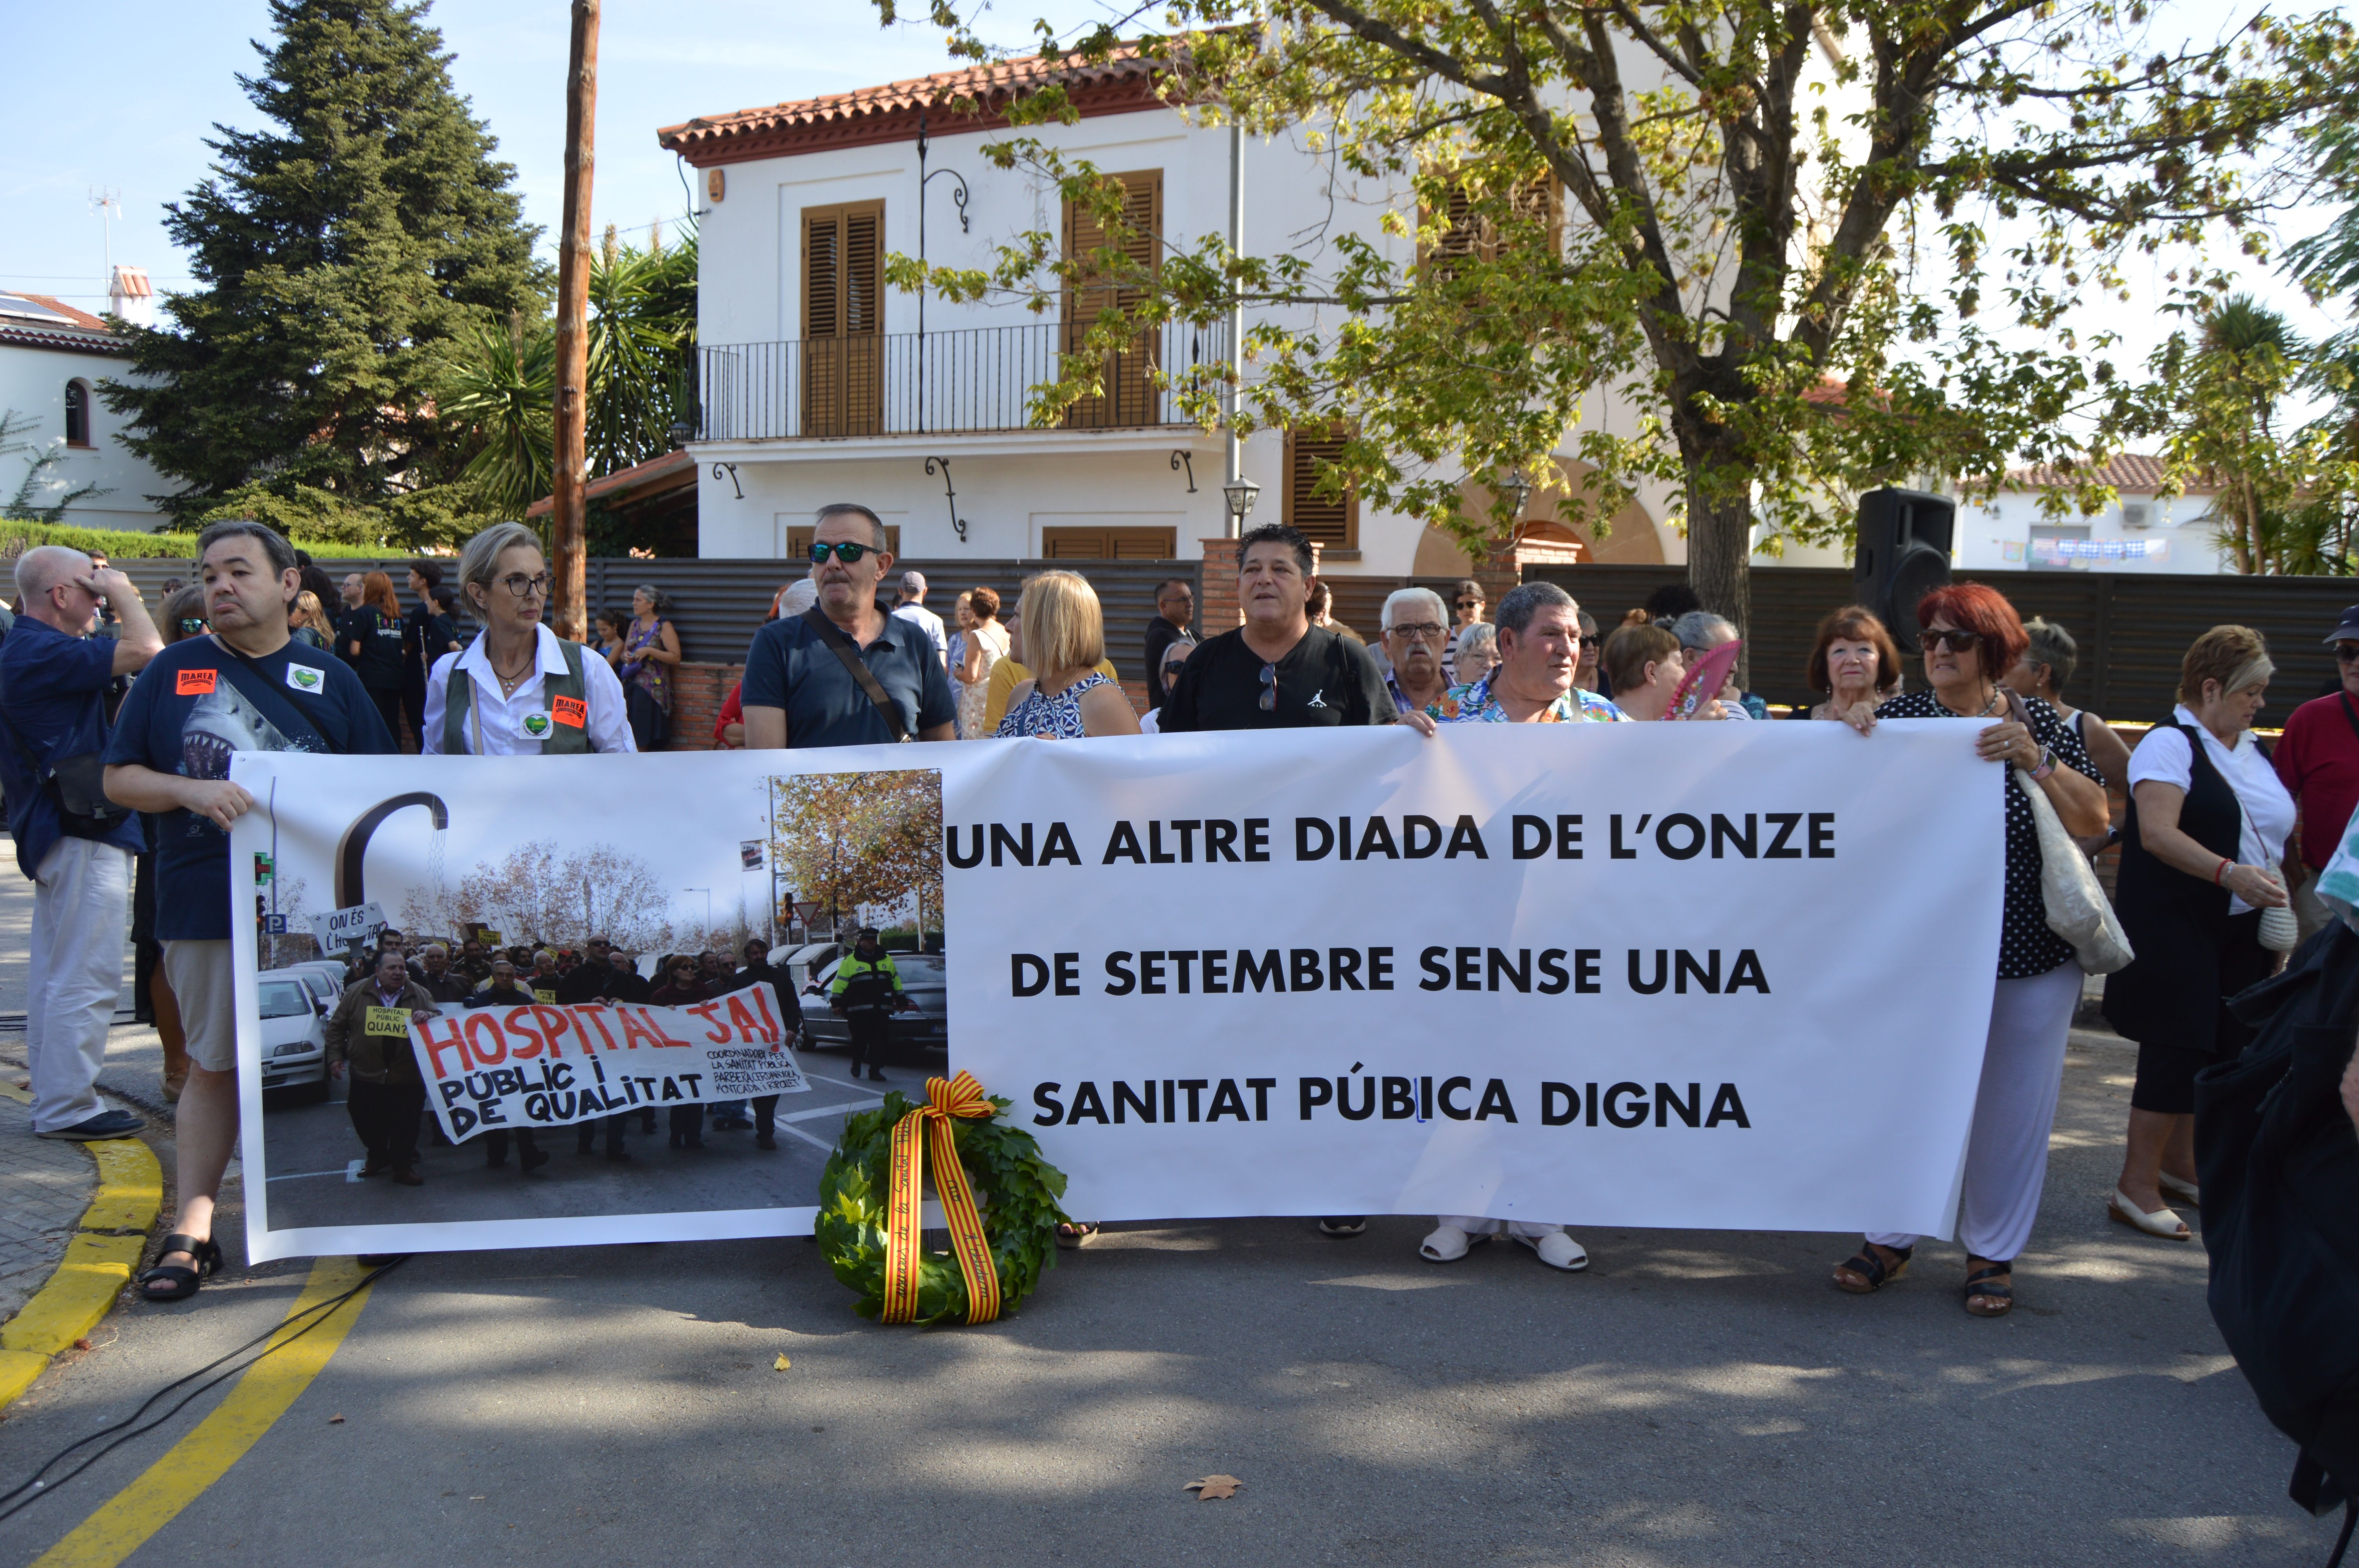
(819, 385)
(53, 357)
(2142, 532)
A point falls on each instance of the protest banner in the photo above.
(1633, 975)
(544, 1065)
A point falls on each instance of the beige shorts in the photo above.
(201, 977)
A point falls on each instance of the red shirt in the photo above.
(733, 711)
(2318, 761)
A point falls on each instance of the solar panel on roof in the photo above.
(17, 305)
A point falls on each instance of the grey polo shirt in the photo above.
(790, 667)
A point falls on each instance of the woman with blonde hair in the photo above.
(986, 644)
(309, 622)
(1064, 637)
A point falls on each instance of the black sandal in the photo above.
(1980, 1283)
(1870, 1270)
(183, 1282)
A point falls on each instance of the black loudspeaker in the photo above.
(1903, 555)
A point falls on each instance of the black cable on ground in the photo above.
(34, 1486)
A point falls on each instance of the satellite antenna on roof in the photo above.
(106, 202)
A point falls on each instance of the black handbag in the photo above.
(77, 788)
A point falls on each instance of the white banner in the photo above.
(542, 1065)
(1728, 976)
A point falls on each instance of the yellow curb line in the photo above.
(96, 1266)
(126, 1521)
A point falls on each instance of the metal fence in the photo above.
(718, 605)
(905, 384)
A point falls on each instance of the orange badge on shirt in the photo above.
(569, 710)
(195, 683)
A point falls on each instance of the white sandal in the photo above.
(2186, 1192)
(2163, 1222)
(1557, 1250)
(1447, 1244)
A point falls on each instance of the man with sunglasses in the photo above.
(1277, 671)
(54, 677)
(2318, 761)
(845, 673)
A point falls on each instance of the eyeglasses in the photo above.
(1469, 604)
(1589, 638)
(847, 552)
(525, 587)
(1953, 638)
(1269, 688)
(192, 624)
(2346, 653)
(1425, 632)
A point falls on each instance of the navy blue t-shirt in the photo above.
(52, 691)
(791, 667)
(186, 713)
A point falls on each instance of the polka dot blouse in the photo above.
(2026, 946)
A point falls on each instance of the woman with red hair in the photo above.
(370, 638)
(1972, 636)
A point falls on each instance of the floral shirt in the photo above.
(1475, 705)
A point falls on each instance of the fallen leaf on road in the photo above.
(335, 1420)
(780, 1365)
(1212, 1486)
(81, 1343)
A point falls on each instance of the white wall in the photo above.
(1996, 534)
(33, 382)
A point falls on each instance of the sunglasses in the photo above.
(1269, 688)
(1589, 638)
(1469, 604)
(1952, 638)
(847, 552)
(192, 624)
(2346, 653)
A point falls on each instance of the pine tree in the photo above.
(339, 255)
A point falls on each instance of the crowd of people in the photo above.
(2213, 872)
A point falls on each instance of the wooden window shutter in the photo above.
(843, 266)
(1130, 397)
(864, 264)
(1464, 234)
(1332, 521)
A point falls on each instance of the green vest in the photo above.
(563, 740)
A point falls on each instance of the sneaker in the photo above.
(105, 1124)
(1557, 1250)
(1343, 1224)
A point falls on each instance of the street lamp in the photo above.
(1518, 489)
(1240, 493)
(681, 432)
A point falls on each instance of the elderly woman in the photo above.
(1645, 665)
(2207, 822)
(1700, 632)
(1474, 653)
(2046, 665)
(649, 651)
(518, 690)
(1972, 636)
(1853, 662)
(1070, 698)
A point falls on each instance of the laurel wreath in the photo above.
(1015, 1193)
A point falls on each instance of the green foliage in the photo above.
(1777, 234)
(18, 537)
(339, 255)
(1017, 1192)
(446, 515)
(25, 505)
(498, 389)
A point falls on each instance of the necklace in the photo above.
(1987, 709)
(508, 683)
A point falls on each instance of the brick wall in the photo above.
(1217, 610)
(698, 691)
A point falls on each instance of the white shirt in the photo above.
(2163, 758)
(502, 718)
(926, 621)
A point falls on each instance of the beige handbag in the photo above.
(2077, 908)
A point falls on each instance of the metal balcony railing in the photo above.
(905, 384)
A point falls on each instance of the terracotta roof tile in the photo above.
(665, 472)
(38, 321)
(2134, 473)
(889, 113)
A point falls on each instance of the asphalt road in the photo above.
(1695, 1399)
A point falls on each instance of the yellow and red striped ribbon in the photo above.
(946, 1099)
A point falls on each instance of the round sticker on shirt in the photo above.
(306, 678)
(536, 725)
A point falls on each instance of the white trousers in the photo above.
(1475, 1225)
(2006, 1151)
(82, 896)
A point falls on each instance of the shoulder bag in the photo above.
(77, 788)
(2077, 908)
(840, 647)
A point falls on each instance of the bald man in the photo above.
(72, 843)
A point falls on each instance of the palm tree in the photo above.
(499, 388)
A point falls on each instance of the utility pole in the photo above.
(1236, 308)
(572, 324)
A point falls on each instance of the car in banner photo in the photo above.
(324, 982)
(294, 1035)
(920, 1036)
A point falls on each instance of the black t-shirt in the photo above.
(379, 635)
(192, 706)
(425, 637)
(1324, 679)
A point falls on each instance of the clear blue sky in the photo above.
(127, 100)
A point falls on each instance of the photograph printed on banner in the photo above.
(616, 1008)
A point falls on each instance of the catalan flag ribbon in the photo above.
(946, 1099)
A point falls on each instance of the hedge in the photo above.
(17, 537)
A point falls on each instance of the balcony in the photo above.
(975, 381)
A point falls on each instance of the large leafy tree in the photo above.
(1781, 223)
(2226, 381)
(338, 253)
